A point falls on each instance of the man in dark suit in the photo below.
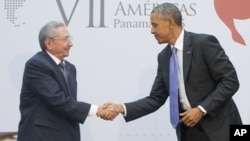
(207, 81)
(48, 102)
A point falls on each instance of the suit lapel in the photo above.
(187, 54)
(164, 58)
(71, 80)
(57, 72)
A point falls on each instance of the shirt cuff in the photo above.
(93, 110)
(202, 109)
(125, 110)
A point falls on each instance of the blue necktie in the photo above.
(173, 88)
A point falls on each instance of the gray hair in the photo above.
(48, 31)
(169, 10)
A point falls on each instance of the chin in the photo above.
(66, 55)
(160, 42)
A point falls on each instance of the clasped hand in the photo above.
(108, 111)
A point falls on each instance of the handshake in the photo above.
(109, 111)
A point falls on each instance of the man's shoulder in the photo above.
(196, 35)
(40, 58)
(37, 56)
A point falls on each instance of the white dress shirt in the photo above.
(182, 91)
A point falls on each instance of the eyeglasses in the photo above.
(66, 39)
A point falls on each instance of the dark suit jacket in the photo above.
(210, 81)
(48, 111)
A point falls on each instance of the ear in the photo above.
(171, 23)
(48, 43)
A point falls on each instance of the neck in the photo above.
(175, 35)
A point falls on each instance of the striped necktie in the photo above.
(65, 73)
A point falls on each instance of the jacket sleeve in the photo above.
(151, 103)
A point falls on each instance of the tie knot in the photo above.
(174, 49)
(61, 65)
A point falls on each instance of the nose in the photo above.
(70, 43)
(152, 30)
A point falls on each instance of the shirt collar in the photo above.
(179, 41)
(56, 60)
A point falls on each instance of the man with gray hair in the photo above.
(48, 101)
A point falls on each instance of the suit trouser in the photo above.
(196, 133)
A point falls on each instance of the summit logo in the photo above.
(91, 13)
(228, 11)
(65, 18)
